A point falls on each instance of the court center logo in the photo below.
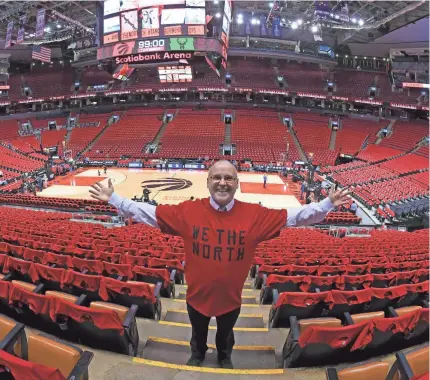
(167, 184)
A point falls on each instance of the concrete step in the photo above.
(247, 298)
(178, 352)
(182, 331)
(244, 320)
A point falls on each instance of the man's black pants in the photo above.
(224, 336)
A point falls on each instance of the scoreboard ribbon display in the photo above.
(154, 57)
(176, 44)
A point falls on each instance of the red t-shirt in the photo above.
(219, 247)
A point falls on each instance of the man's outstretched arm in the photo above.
(140, 212)
(316, 212)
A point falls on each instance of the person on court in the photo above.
(265, 180)
(220, 237)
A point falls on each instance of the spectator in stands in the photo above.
(146, 193)
(265, 180)
(1, 173)
(191, 198)
(303, 189)
(353, 207)
(220, 235)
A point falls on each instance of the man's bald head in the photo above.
(222, 165)
(222, 182)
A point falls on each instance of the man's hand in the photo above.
(101, 192)
(339, 197)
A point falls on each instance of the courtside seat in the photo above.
(363, 317)
(415, 294)
(404, 310)
(324, 342)
(117, 271)
(13, 332)
(356, 282)
(30, 307)
(280, 284)
(64, 296)
(145, 296)
(24, 285)
(373, 370)
(50, 277)
(410, 365)
(18, 268)
(90, 267)
(322, 283)
(154, 276)
(43, 357)
(343, 301)
(102, 325)
(265, 270)
(393, 333)
(170, 265)
(300, 305)
(382, 298)
(303, 324)
(78, 283)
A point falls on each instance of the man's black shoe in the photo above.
(195, 362)
(225, 363)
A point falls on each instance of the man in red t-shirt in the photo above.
(220, 236)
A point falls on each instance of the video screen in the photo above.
(173, 16)
(150, 18)
(127, 20)
(195, 3)
(123, 72)
(111, 25)
(129, 25)
(195, 16)
(175, 74)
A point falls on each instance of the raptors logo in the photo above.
(123, 48)
(167, 184)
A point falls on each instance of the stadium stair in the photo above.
(298, 145)
(101, 133)
(332, 143)
(160, 133)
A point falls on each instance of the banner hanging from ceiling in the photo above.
(40, 23)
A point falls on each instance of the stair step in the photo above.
(178, 352)
(246, 299)
(244, 320)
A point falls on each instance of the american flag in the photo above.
(41, 53)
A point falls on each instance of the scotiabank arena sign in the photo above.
(154, 57)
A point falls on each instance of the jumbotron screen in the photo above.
(125, 20)
(175, 74)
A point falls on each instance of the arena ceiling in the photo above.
(379, 17)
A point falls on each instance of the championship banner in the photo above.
(276, 26)
(263, 26)
(40, 23)
(8, 40)
(344, 13)
(20, 36)
(322, 9)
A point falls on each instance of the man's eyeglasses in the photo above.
(227, 178)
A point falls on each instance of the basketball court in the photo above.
(170, 187)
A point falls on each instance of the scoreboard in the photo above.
(127, 27)
(125, 20)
